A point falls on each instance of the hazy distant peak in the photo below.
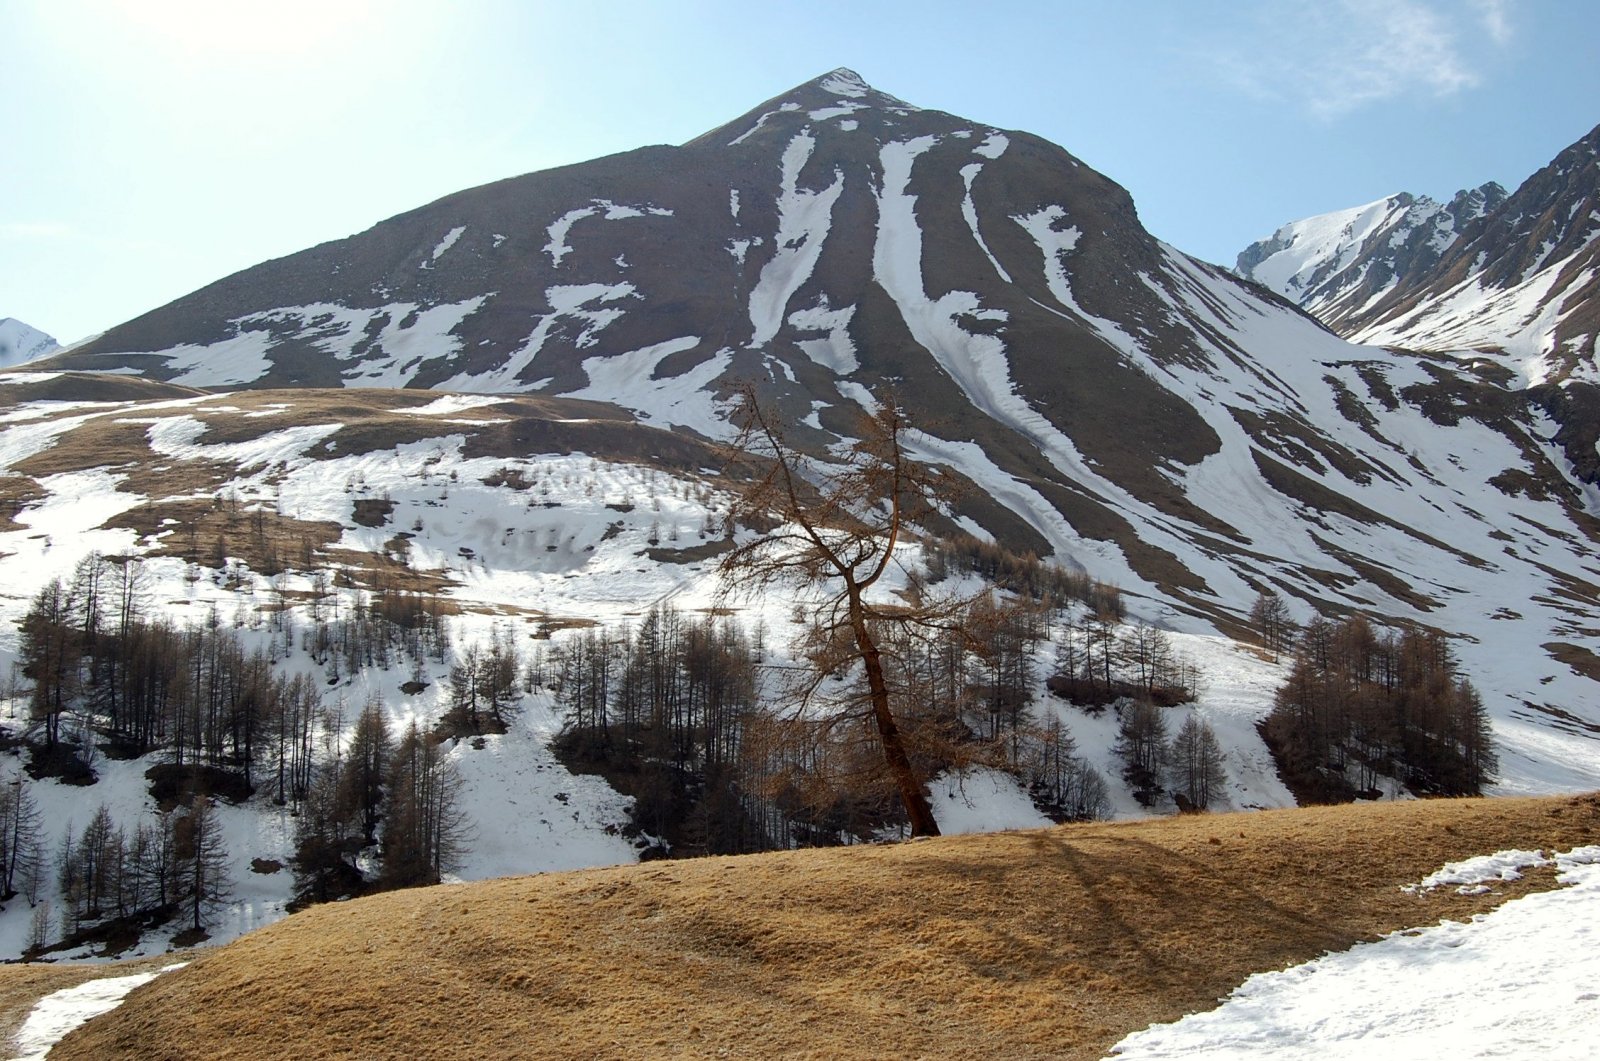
(20, 342)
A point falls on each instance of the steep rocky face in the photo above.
(20, 343)
(1335, 265)
(1512, 275)
(1522, 280)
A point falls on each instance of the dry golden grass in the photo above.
(1054, 943)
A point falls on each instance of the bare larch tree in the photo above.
(834, 527)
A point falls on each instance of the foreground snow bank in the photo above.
(1517, 982)
(58, 1013)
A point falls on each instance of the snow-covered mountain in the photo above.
(1522, 281)
(1513, 278)
(1117, 404)
(1109, 401)
(1515, 275)
(1336, 265)
(19, 343)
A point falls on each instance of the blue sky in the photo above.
(152, 146)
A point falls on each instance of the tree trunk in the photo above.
(918, 810)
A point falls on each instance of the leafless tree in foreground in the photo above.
(834, 527)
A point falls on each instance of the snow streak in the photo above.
(804, 218)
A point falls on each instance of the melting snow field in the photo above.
(1522, 981)
(57, 1014)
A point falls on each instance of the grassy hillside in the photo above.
(1054, 943)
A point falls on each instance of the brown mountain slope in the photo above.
(1052, 943)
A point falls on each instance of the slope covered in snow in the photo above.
(535, 545)
(1522, 281)
(1336, 265)
(533, 518)
(1514, 274)
(1514, 284)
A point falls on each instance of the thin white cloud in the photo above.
(1495, 16)
(1335, 58)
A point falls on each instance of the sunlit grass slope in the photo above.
(1052, 943)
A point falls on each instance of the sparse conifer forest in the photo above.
(1361, 706)
(226, 724)
(727, 739)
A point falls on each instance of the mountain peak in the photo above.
(844, 87)
(1472, 203)
(843, 82)
(841, 95)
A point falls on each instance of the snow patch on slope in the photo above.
(509, 790)
(1311, 244)
(836, 350)
(450, 404)
(681, 400)
(179, 436)
(982, 800)
(59, 1012)
(561, 227)
(977, 363)
(843, 82)
(401, 349)
(804, 218)
(969, 210)
(1521, 321)
(1515, 982)
(446, 243)
(842, 109)
(993, 146)
(1471, 876)
(238, 360)
(408, 337)
(588, 304)
(1053, 244)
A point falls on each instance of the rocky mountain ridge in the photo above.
(1517, 276)
(1336, 264)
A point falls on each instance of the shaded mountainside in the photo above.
(1110, 401)
(1051, 943)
